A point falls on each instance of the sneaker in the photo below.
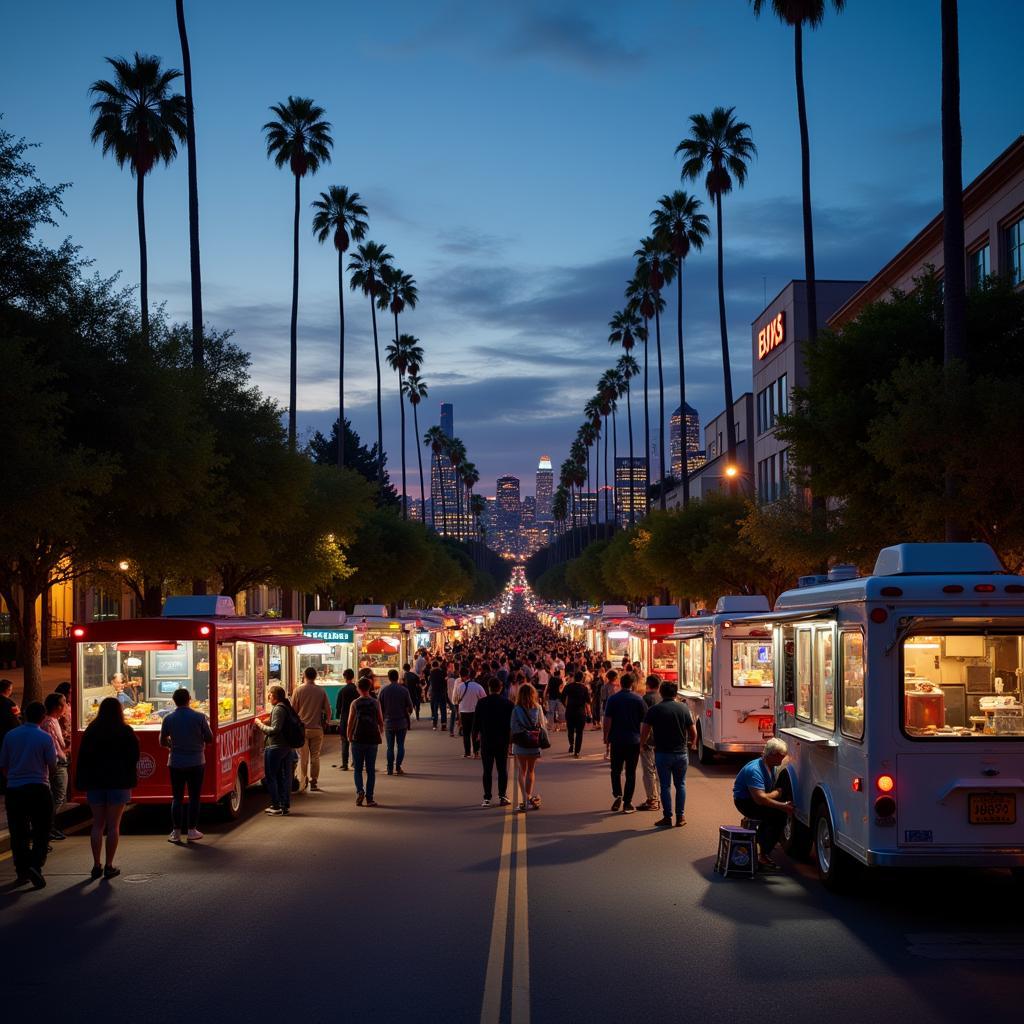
(663, 823)
(467, 755)
(360, 797)
(486, 803)
(286, 810)
(96, 872)
(370, 802)
(273, 810)
(345, 768)
(628, 809)
(304, 786)
(398, 771)
(504, 801)
(680, 821)
(35, 876)
(616, 803)
(55, 833)
(314, 788)
(194, 834)
(390, 772)
(109, 872)
(174, 837)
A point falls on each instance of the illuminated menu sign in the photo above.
(331, 636)
(771, 336)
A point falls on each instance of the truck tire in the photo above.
(796, 840)
(232, 803)
(704, 754)
(835, 866)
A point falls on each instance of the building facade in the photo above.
(508, 513)
(630, 490)
(449, 499)
(545, 490)
(695, 456)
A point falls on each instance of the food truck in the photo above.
(899, 695)
(384, 642)
(609, 632)
(228, 664)
(725, 676)
(430, 630)
(650, 642)
(332, 650)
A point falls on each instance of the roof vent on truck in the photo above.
(811, 581)
(842, 573)
(936, 559)
(733, 603)
(660, 611)
(199, 606)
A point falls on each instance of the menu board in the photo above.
(171, 664)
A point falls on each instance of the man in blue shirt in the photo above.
(27, 757)
(623, 715)
(756, 795)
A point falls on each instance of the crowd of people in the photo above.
(508, 692)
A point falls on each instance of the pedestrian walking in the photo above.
(492, 726)
(396, 705)
(671, 726)
(648, 772)
(107, 770)
(438, 693)
(311, 703)
(526, 725)
(9, 714)
(452, 680)
(413, 683)
(553, 699)
(364, 727)
(185, 733)
(348, 693)
(623, 716)
(55, 705)
(277, 753)
(64, 689)
(576, 698)
(466, 696)
(27, 757)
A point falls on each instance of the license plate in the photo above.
(992, 808)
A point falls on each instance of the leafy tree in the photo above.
(364, 460)
(584, 575)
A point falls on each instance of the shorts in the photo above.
(108, 796)
(557, 710)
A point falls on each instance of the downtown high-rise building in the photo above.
(508, 513)
(545, 490)
(630, 488)
(449, 499)
(694, 454)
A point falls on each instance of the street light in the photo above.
(732, 472)
(123, 565)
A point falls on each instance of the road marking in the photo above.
(966, 945)
(490, 1013)
(521, 933)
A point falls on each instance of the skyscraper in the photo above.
(630, 501)
(444, 489)
(545, 490)
(448, 419)
(508, 514)
(692, 432)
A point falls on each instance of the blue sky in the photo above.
(510, 155)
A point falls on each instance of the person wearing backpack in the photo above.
(364, 728)
(279, 733)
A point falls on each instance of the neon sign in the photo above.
(772, 335)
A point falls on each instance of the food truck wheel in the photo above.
(704, 754)
(232, 803)
(796, 840)
(834, 865)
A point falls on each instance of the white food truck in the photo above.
(726, 676)
(899, 695)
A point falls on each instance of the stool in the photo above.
(737, 851)
(752, 823)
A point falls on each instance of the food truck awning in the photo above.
(281, 639)
(751, 620)
(381, 645)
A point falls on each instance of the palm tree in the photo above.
(720, 146)
(478, 506)
(301, 138)
(340, 215)
(679, 227)
(456, 452)
(367, 268)
(588, 435)
(402, 356)
(628, 368)
(799, 13)
(415, 390)
(398, 291)
(470, 478)
(656, 271)
(592, 410)
(560, 512)
(625, 326)
(610, 387)
(195, 274)
(437, 440)
(645, 302)
(139, 121)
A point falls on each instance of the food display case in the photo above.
(650, 642)
(331, 650)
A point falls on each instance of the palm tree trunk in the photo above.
(419, 461)
(730, 424)
(683, 470)
(805, 181)
(401, 407)
(380, 407)
(140, 207)
(661, 407)
(605, 531)
(632, 481)
(589, 487)
(193, 193)
(294, 352)
(647, 429)
(341, 359)
(615, 469)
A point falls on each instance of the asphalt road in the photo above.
(431, 908)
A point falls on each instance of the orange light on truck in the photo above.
(886, 783)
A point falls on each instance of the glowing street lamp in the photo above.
(732, 472)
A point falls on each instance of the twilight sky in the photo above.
(510, 155)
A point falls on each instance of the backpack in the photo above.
(366, 730)
(292, 730)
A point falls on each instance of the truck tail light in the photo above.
(885, 807)
(204, 630)
(984, 588)
(857, 784)
(78, 632)
(879, 615)
(953, 588)
(886, 783)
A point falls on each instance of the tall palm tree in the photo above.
(437, 440)
(301, 138)
(625, 325)
(560, 512)
(478, 506)
(592, 410)
(139, 121)
(402, 356)
(367, 268)
(456, 452)
(195, 274)
(588, 435)
(416, 390)
(645, 302)
(398, 291)
(656, 271)
(628, 368)
(341, 216)
(680, 227)
(720, 147)
(612, 383)
(799, 13)
(470, 478)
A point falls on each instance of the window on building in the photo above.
(978, 266)
(1015, 251)
(772, 402)
(781, 397)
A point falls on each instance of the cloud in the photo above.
(572, 37)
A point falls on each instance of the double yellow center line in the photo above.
(511, 896)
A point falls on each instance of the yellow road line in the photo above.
(521, 933)
(490, 1012)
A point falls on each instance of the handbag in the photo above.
(531, 739)
(543, 741)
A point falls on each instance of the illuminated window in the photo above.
(1015, 251)
(803, 673)
(824, 680)
(851, 653)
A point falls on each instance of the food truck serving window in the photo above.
(143, 675)
(752, 663)
(851, 653)
(691, 657)
(963, 686)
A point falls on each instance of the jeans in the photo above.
(495, 757)
(650, 774)
(439, 709)
(672, 770)
(193, 779)
(58, 788)
(29, 814)
(395, 737)
(454, 721)
(624, 755)
(365, 755)
(277, 762)
(309, 757)
(345, 748)
(466, 717)
(773, 821)
(575, 724)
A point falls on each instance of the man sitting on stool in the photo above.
(756, 795)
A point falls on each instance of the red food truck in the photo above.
(226, 662)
